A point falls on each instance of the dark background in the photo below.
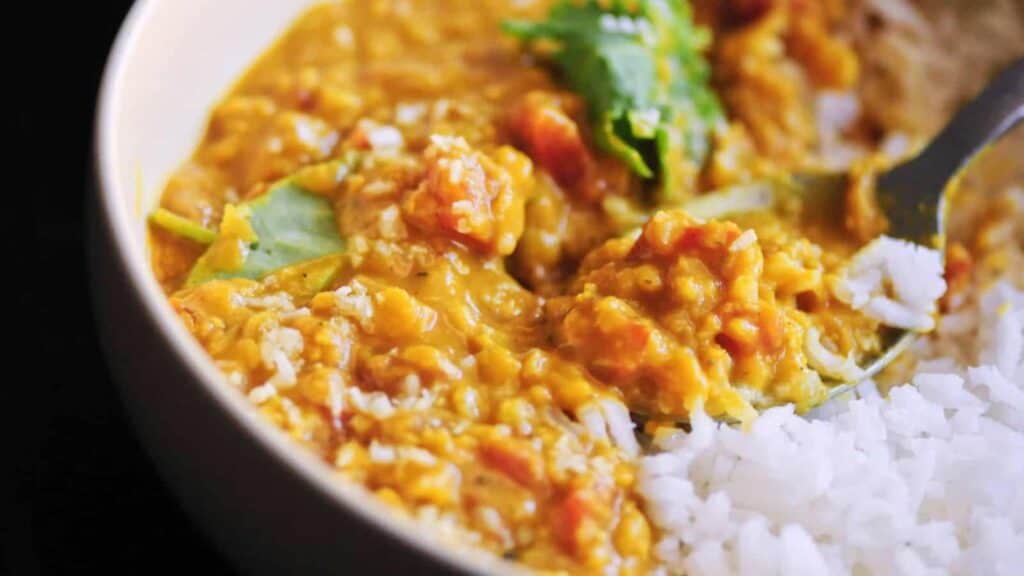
(84, 497)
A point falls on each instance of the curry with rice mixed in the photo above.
(445, 245)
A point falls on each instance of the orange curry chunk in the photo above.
(471, 197)
(675, 314)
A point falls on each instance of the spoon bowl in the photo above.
(911, 196)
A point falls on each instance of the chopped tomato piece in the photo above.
(571, 518)
(514, 460)
(543, 125)
(470, 197)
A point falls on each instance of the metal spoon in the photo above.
(911, 195)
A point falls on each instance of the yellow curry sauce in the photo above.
(492, 309)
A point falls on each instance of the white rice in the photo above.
(280, 349)
(745, 240)
(261, 394)
(381, 137)
(608, 419)
(895, 282)
(828, 363)
(927, 481)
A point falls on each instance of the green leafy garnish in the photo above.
(639, 65)
(287, 225)
(182, 226)
(306, 279)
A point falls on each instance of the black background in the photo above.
(79, 494)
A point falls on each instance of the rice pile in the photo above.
(928, 481)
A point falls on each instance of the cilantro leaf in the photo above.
(639, 65)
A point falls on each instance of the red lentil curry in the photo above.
(443, 244)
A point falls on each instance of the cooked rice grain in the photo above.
(928, 481)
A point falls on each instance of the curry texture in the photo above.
(506, 288)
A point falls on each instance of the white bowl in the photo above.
(269, 505)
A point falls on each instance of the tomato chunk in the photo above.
(471, 197)
(544, 127)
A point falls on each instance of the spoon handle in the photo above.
(983, 120)
(916, 188)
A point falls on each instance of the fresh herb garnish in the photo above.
(287, 225)
(639, 65)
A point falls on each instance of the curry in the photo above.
(489, 252)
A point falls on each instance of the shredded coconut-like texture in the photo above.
(929, 480)
(895, 282)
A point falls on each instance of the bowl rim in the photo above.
(131, 256)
